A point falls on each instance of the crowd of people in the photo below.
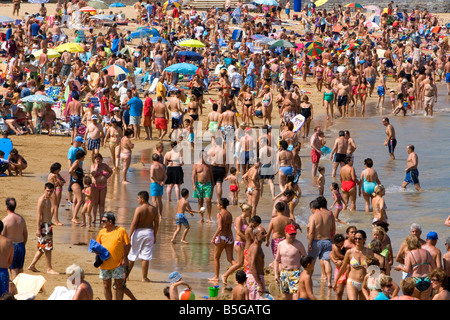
(341, 58)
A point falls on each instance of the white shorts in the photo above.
(142, 241)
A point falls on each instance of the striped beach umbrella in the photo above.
(88, 9)
(115, 70)
(315, 51)
(354, 5)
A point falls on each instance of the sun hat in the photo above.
(174, 277)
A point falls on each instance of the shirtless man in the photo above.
(203, 184)
(255, 275)
(219, 168)
(343, 91)
(96, 136)
(66, 59)
(252, 180)
(349, 183)
(157, 178)
(412, 174)
(6, 259)
(447, 75)
(351, 144)
(370, 73)
(76, 112)
(176, 112)
(390, 141)
(287, 263)
(316, 153)
(143, 232)
(415, 230)
(321, 226)
(160, 116)
(429, 96)
(339, 151)
(213, 121)
(247, 150)
(44, 230)
(430, 246)
(228, 123)
(15, 229)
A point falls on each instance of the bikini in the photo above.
(100, 187)
(355, 264)
(243, 228)
(348, 185)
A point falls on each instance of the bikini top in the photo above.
(356, 264)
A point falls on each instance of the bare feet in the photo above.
(51, 271)
(58, 223)
(184, 241)
(33, 268)
(146, 280)
(173, 241)
(126, 182)
(224, 280)
(76, 221)
(213, 279)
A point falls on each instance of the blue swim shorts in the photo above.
(412, 176)
(19, 256)
(4, 281)
(156, 189)
(321, 249)
(180, 218)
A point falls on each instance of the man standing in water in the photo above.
(202, 183)
(157, 178)
(390, 141)
(143, 231)
(316, 153)
(412, 173)
(339, 151)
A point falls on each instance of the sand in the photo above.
(41, 151)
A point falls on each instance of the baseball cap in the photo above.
(79, 139)
(290, 229)
(91, 105)
(174, 277)
(94, 117)
(432, 235)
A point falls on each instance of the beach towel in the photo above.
(115, 45)
(53, 92)
(96, 247)
(28, 286)
(62, 293)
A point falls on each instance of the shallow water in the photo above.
(429, 208)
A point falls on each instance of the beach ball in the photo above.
(187, 294)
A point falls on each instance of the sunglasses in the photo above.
(103, 221)
(388, 285)
(434, 280)
(357, 239)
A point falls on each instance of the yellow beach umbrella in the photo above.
(71, 47)
(50, 53)
(192, 43)
(320, 2)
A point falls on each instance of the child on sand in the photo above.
(338, 202)
(277, 225)
(234, 186)
(180, 219)
(175, 279)
(411, 97)
(290, 185)
(87, 207)
(240, 291)
(321, 180)
(305, 284)
(337, 257)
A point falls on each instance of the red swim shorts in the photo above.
(233, 188)
(161, 123)
(315, 156)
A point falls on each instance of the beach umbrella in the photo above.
(312, 44)
(88, 9)
(371, 25)
(4, 19)
(96, 4)
(141, 33)
(50, 53)
(267, 2)
(155, 40)
(38, 1)
(115, 70)
(183, 68)
(300, 46)
(352, 46)
(354, 5)
(69, 46)
(104, 17)
(154, 30)
(175, 3)
(315, 51)
(117, 5)
(38, 98)
(190, 55)
(320, 3)
(192, 44)
(265, 40)
(373, 8)
(281, 44)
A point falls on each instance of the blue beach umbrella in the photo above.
(117, 5)
(183, 68)
(141, 33)
(38, 98)
(38, 1)
(155, 32)
(155, 39)
(190, 55)
(267, 2)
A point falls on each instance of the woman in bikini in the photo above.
(362, 92)
(100, 172)
(17, 163)
(356, 259)
(338, 203)
(367, 183)
(318, 73)
(223, 237)
(58, 181)
(240, 225)
(248, 101)
(267, 103)
(418, 264)
(113, 136)
(279, 99)
(285, 158)
(125, 153)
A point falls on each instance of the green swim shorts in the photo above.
(202, 190)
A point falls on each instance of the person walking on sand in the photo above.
(316, 153)
(143, 232)
(255, 275)
(44, 230)
(287, 268)
(157, 178)
(391, 141)
(15, 229)
(202, 183)
(180, 219)
(412, 173)
(6, 258)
